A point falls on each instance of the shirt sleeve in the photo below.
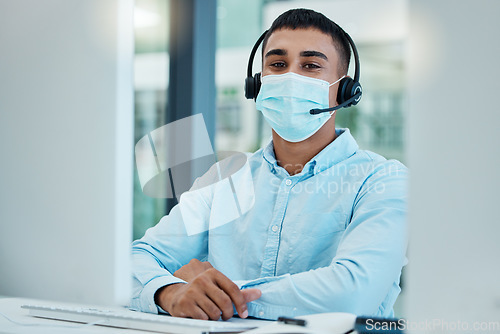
(168, 246)
(366, 269)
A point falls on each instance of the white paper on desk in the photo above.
(322, 323)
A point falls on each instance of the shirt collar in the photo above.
(269, 156)
(338, 150)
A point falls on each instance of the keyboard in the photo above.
(124, 318)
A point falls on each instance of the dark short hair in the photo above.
(301, 18)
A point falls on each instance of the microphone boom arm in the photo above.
(357, 96)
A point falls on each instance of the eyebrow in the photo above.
(276, 52)
(283, 52)
(313, 54)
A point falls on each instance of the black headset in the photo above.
(349, 92)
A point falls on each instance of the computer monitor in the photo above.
(453, 154)
(66, 149)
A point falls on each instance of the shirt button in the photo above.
(288, 182)
(274, 228)
(261, 313)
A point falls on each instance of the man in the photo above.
(326, 231)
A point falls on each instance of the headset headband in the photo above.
(254, 51)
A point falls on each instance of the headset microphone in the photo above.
(353, 100)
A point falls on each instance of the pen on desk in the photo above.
(300, 322)
(292, 321)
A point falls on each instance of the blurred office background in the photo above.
(379, 29)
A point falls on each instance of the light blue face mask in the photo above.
(285, 101)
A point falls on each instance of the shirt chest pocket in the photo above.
(319, 224)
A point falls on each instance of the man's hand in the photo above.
(208, 295)
(189, 271)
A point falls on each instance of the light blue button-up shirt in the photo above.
(329, 239)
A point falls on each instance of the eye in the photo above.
(278, 64)
(311, 66)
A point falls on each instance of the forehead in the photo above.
(297, 40)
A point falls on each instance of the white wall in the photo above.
(366, 21)
(66, 143)
(454, 158)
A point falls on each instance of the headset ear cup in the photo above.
(347, 89)
(356, 89)
(250, 88)
(342, 94)
(257, 84)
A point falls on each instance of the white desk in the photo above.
(11, 307)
